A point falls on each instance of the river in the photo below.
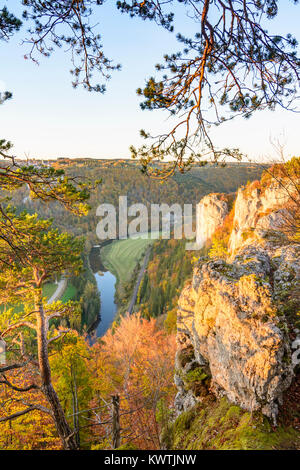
(106, 283)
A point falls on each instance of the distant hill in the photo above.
(123, 177)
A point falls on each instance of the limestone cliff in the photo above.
(257, 210)
(211, 212)
(234, 319)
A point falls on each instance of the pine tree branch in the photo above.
(19, 389)
(13, 366)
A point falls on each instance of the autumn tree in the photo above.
(31, 431)
(42, 253)
(135, 362)
(286, 176)
(73, 380)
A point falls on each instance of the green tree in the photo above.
(218, 249)
(44, 183)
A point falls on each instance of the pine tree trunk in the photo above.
(65, 433)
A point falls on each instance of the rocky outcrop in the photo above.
(234, 322)
(228, 318)
(211, 212)
(257, 211)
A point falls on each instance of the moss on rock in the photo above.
(219, 425)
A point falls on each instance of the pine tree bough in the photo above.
(232, 67)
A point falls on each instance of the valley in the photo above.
(149, 230)
(137, 303)
(121, 257)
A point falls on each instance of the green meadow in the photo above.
(69, 293)
(49, 289)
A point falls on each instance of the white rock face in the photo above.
(255, 213)
(211, 212)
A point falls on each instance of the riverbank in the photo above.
(139, 280)
(117, 270)
(105, 282)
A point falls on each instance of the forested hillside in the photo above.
(169, 267)
(119, 178)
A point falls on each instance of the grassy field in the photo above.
(48, 291)
(69, 293)
(121, 256)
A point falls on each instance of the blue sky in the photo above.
(48, 118)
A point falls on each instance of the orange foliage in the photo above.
(32, 431)
(223, 232)
(137, 363)
(134, 360)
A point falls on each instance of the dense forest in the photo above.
(135, 363)
(169, 267)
